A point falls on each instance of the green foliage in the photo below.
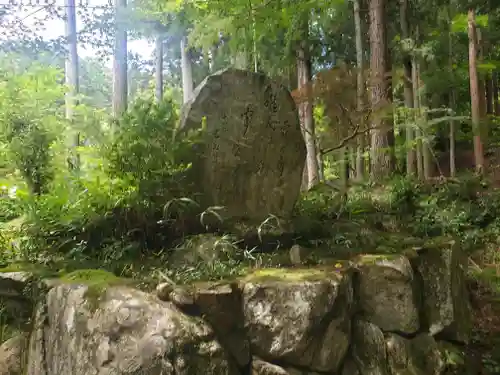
(465, 209)
(30, 120)
(124, 200)
(144, 150)
(9, 205)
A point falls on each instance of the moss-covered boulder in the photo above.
(442, 267)
(418, 356)
(128, 332)
(299, 317)
(387, 293)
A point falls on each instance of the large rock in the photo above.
(367, 350)
(120, 331)
(387, 293)
(418, 356)
(16, 292)
(253, 153)
(301, 317)
(221, 306)
(376, 353)
(446, 305)
(11, 355)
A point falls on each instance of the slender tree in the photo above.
(474, 93)
(408, 87)
(306, 107)
(360, 89)
(159, 67)
(382, 137)
(187, 71)
(72, 76)
(120, 64)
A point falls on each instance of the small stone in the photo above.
(163, 291)
(260, 367)
(182, 297)
(296, 255)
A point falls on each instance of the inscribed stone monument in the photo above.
(253, 153)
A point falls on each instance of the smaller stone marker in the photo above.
(253, 153)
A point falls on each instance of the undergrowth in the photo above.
(131, 203)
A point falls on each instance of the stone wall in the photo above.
(394, 315)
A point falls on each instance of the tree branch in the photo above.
(346, 140)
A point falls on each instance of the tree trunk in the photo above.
(304, 77)
(212, 54)
(408, 89)
(187, 73)
(453, 131)
(240, 60)
(120, 80)
(494, 94)
(418, 132)
(321, 164)
(474, 93)
(344, 167)
(254, 42)
(360, 92)
(72, 79)
(159, 68)
(452, 153)
(481, 80)
(382, 137)
(489, 94)
(352, 161)
(426, 146)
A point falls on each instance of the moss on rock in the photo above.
(96, 281)
(296, 274)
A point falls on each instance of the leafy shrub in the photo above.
(123, 201)
(30, 122)
(144, 151)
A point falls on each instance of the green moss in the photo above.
(370, 259)
(452, 355)
(296, 274)
(438, 243)
(91, 276)
(97, 281)
(35, 270)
